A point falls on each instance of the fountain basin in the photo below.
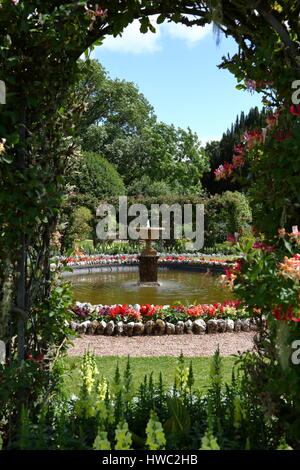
(121, 287)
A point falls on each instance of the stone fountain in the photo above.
(149, 257)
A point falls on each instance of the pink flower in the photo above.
(252, 138)
(97, 12)
(224, 171)
(239, 149)
(272, 120)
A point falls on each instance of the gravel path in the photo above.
(190, 345)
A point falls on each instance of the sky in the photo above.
(176, 69)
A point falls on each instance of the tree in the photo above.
(130, 154)
(97, 177)
(145, 186)
(126, 133)
(117, 104)
(178, 157)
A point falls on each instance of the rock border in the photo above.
(160, 327)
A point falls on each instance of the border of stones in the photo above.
(160, 328)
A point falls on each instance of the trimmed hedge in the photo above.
(224, 214)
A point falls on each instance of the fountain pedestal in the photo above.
(148, 270)
(148, 261)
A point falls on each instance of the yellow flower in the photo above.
(155, 434)
(101, 442)
(2, 147)
(123, 437)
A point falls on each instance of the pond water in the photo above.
(108, 288)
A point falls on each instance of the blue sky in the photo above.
(176, 69)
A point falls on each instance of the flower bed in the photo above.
(164, 260)
(159, 320)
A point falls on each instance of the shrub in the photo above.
(81, 227)
(98, 178)
(151, 188)
(227, 213)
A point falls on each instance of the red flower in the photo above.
(196, 311)
(118, 310)
(295, 110)
(230, 238)
(263, 246)
(145, 309)
(282, 135)
(228, 273)
(284, 315)
(239, 150)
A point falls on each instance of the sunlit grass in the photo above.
(141, 366)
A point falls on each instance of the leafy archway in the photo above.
(40, 44)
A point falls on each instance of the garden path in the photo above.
(190, 345)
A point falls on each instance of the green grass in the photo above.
(85, 245)
(140, 366)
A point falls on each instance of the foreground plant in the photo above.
(155, 418)
(269, 282)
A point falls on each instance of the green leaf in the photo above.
(180, 421)
(7, 159)
(176, 17)
(161, 18)
(288, 246)
(145, 24)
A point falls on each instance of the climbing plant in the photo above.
(40, 44)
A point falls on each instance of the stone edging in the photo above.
(160, 328)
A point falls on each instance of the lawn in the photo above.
(140, 366)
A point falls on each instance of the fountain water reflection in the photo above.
(110, 288)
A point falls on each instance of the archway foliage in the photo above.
(40, 44)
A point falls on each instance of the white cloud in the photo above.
(204, 140)
(190, 34)
(134, 42)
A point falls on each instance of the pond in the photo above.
(108, 288)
